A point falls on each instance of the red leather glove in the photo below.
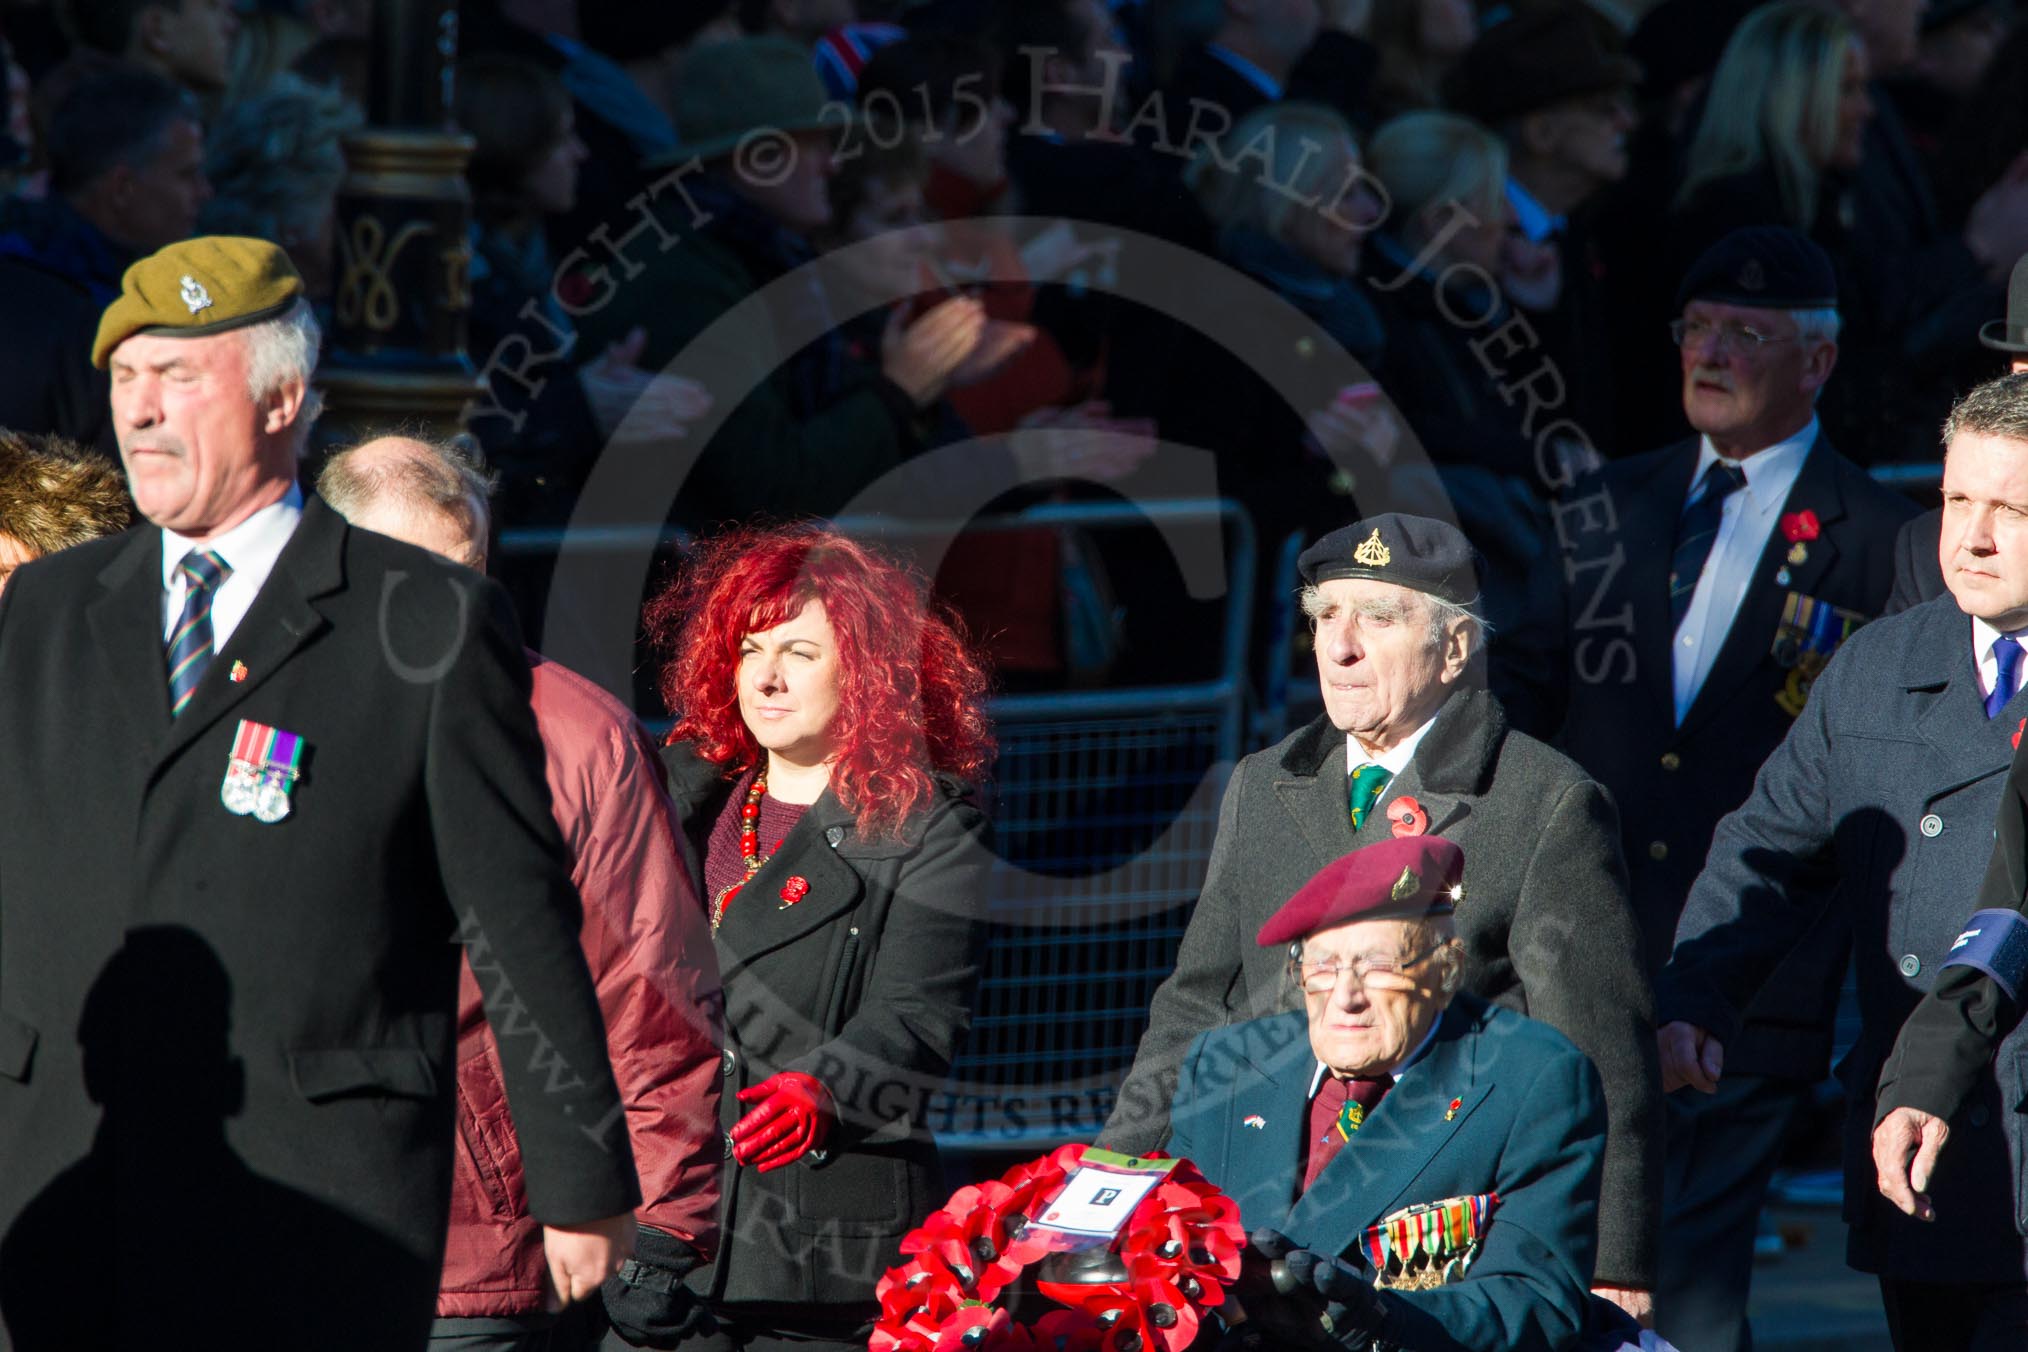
(795, 1116)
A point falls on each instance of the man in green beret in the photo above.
(300, 756)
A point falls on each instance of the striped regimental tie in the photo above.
(1696, 532)
(190, 643)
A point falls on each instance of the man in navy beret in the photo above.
(1704, 587)
(1411, 744)
(1408, 1101)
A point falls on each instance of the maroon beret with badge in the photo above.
(1406, 878)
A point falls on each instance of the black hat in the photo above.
(1412, 551)
(1770, 266)
(1532, 61)
(2011, 334)
(1944, 13)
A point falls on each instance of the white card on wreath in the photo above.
(1098, 1199)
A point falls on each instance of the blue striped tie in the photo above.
(190, 644)
(1696, 532)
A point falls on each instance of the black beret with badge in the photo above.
(1416, 552)
(197, 287)
(1768, 266)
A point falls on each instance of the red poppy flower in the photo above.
(1406, 816)
(794, 890)
(991, 1322)
(2017, 734)
(1800, 526)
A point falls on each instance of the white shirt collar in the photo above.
(1983, 637)
(250, 549)
(1394, 760)
(1252, 74)
(1537, 222)
(251, 546)
(1402, 1068)
(1770, 473)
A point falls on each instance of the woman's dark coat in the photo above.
(866, 983)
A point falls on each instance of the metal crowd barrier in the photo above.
(1104, 805)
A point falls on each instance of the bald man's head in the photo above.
(430, 494)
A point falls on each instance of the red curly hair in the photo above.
(911, 697)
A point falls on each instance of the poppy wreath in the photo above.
(1181, 1249)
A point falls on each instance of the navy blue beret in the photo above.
(1769, 266)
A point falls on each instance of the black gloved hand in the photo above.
(1353, 1314)
(1280, 1315)
(646, 1300)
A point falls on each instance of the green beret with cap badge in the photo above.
(197, 287)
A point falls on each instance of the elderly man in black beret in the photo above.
(1705, 586)
(1410, 744)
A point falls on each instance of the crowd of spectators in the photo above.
(1479, 215)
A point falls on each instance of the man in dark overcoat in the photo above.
(1691, 627)
(1879, 804)
(1410, 743)
(262, 771)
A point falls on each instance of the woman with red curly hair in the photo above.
(828, 723)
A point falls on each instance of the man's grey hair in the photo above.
(1818, 326)
(1998, 408)
(446, 477)
(1443, 615)
(1436, 934)
(282, 349)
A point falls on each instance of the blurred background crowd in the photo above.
(1484, 211)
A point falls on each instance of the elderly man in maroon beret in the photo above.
(1421, 1166)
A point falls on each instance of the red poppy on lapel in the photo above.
(1800, 526)
(2017, 734)
(795, 889)
(1406, 816)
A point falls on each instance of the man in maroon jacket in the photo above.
(650, 954)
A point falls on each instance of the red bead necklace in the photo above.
(749, 847)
